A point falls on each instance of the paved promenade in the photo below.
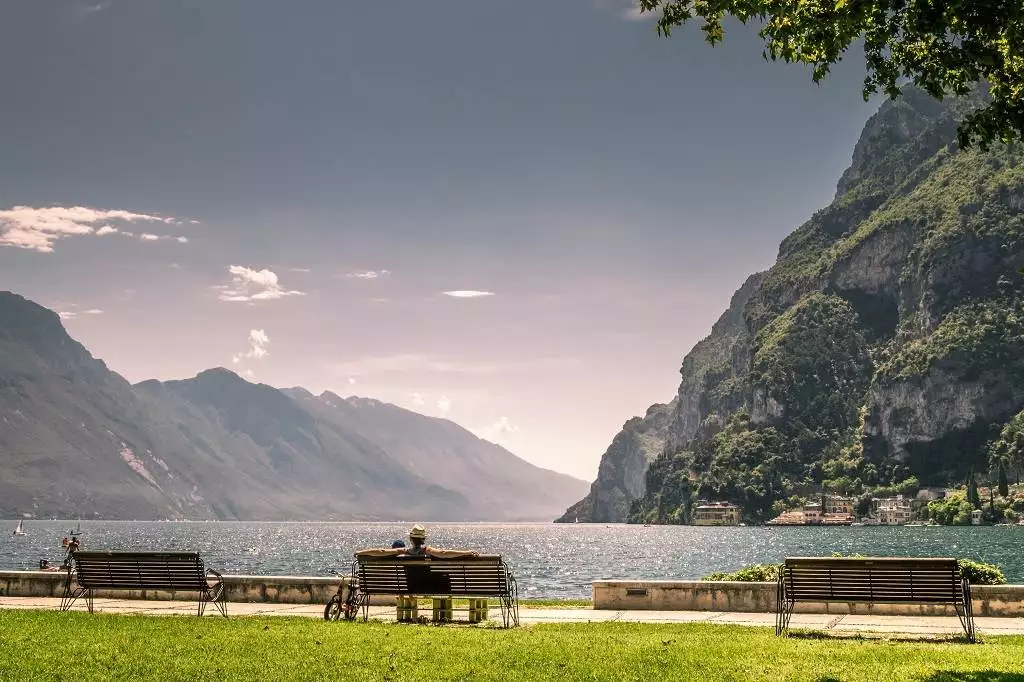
(848, 625)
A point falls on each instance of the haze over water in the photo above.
(549, 560)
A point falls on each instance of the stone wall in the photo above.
(240, 588)
(698, 595)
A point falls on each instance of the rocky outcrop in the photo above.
(620, 478)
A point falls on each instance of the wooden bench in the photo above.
(178, 571)
(479, 577)
(873, 580)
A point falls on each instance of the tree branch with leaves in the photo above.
(944, 47)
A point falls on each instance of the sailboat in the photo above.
(78, 529)
(20, 530)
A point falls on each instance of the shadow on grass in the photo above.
(879, 637)
(958, 676)
(973, 676)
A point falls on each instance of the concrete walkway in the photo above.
(918, 626)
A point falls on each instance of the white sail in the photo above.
(20, 529)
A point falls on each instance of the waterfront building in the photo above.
(812, 513)
(717, 514)
(839, 505)
(892, 511)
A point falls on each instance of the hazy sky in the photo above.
(288, 189)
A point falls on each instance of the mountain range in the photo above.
(881, 353)
(77, 439)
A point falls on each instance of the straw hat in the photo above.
(418, 532)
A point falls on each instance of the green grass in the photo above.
(36, 645)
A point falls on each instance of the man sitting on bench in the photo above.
(419, 548)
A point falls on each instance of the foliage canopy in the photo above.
(942, 47)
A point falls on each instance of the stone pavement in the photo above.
(919, 626)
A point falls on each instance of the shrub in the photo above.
(977, 572)
(981, 573)
(758, 573)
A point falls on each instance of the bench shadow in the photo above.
(973, 676)
(880, 636)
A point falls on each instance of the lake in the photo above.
(549, 560)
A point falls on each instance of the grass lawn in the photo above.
(45, 645)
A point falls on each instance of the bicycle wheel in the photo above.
(335, 607)
(351, 610)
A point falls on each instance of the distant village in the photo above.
(836, 510)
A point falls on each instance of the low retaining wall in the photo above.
(699, 595)
(278, 589)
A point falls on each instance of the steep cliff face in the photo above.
(885, 347)
(620, 478)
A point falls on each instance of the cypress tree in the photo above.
(1004, 485)
(972, 493)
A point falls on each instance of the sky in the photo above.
(519, 216)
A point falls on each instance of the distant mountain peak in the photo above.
(19, 314)
(219, 373)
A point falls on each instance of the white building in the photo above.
(892, 511)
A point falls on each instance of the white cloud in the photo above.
(72, 314)
(634, 14)
(38, 229)
(368, 274)
(258, 342)
(247, 374)
(500, 431)
(421, 362)
(253, 285)
(182, 240)
(147, 237)
(468, 293)
(193, 222)
(351, 381)
(300, 270)
(417, 399)
(627, 10)
(444, 404)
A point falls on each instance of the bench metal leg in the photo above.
(217, 599)
(71, 596)
(510, 602)
(783, 608)
(965, 613)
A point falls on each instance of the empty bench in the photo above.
(873, 580)
(474, 578)
(177, 571)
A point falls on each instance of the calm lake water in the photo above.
(549, 560)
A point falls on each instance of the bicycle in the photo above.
(343, 603)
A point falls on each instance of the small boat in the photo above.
(20, 530)
(78, 529)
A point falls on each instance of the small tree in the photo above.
(1004, 485)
